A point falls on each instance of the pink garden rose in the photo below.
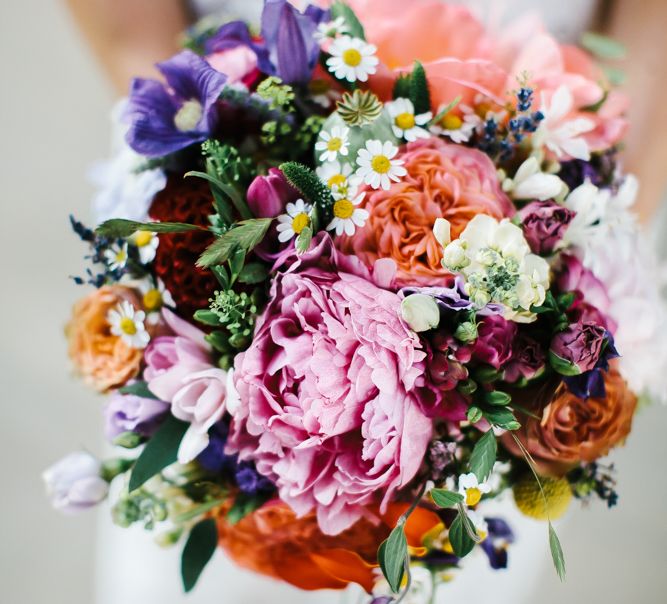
(179, 371)
(330, 392)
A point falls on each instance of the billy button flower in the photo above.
(377, 166)
(295, 219)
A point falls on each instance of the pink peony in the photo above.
(179, 371)
(330, 392)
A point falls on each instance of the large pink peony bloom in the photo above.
(330, 392)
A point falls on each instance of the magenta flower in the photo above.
(268, 195)
(544, 223)
(495, 336)
(330, 393)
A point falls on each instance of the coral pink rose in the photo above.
(443, 181)
(330, 393)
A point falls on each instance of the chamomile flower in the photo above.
(352, 59)
(333, 143)
(128, 323)
(377, 167)
(116, 257)
(295, 219)
(322, 92)
(331, 29)
(458, 128)
(146, 243)
(405, 123)
(338, 177)
(155, 297)
(347, 216)
(471, 489)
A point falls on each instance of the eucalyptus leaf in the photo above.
(246, 235)
(461, 542)
(446, 499)
(199, 549)
(484, 456)
(556, 553)
(392, 556)
(139, 388)
(118, 228)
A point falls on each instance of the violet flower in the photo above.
(234, 34)
(132, 413)
(167, 117)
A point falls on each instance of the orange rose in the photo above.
(274, 542)
(103, 359)
(573, 430)
(443, 181)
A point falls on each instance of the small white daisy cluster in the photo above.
(146, 242)
(128, 324)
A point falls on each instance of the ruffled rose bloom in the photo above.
(443, 181)
(543, 224)
(103, 359)
(528, 359)
(273, 541)
(179, 371)
(579, 345)
(330, 393)
(572, 430)
(495, 336)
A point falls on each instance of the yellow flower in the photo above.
(530, 501)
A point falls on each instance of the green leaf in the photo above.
(138, 389)
(119, 228)
(220, 273)
(160, 451)
(236, 263)
(497, 398)
(419, 93)
(243, 505)
(556, 553)
(615, 75)
(207, 317)
(461, 541)
(303, 240)
(308, 183)
(602, 46)
(446, 499)
(402, 87)
(245, 235)
(392, 556)
(219, 340)
(254, 272)
(354, 26)
(199, 549)
(501, 417)
(484, 456)
(474, 414)
(562, 366)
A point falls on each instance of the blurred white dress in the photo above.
(131, 569)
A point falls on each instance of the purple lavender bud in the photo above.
(578, 348)
(544, 223)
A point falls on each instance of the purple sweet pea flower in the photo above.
(495, 336)
(131, 413)
(528, 360)
(544, 223)
(577, 349)
(166, 118)
(591, 383)
(447, 298)
(289, 37)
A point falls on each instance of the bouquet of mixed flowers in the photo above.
(343, 297)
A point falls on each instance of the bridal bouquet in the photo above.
(356, 274)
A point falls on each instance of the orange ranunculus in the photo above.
(573, 430)
(274, 542)
(443, 181)
(101, 358)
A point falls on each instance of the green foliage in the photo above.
(253, 272)
(243, 505)
(402, 87)
(562, 366)
(392, 557)
(279, 95)
(199, 549)
(502, 417)
(303, 240)
(459, 535)
(602, 46)
(353, 25)
(308, 133)
(118, 228)
(160, 451)
(484, 456)
(237, 312)
(139, 388)
(139, 506)
(245, 235)
(497, 398)
(445, 110)
(556, 553)
(419, 92)
(446, 499)
(474, 414)
(311, 187)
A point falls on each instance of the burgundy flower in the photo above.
(495, 336)
(528, 359)
(544, 224)
(268, 195)
(578, 348)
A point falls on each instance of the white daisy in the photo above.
(128, 323)
(322, 92)
(352, 59)
(471, 489)
(116, 257)
(295, 219)
(155, 296)
(332, 143)
(146, 243)
(338, 177)
(331, 29)
(458, 128)
(405, 123)
(346, 215)
(377, 167)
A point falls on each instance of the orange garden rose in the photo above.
(443, 181)
(573, 430)
(274, 542)
(101, 358)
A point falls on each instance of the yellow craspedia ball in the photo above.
(530, 502)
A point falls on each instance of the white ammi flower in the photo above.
(530, 182)
(295, 219)
(352, 59)
(128, 323)
(332, 143)
(347, 216)
(377, 166)
(405, 123)
(146, 243)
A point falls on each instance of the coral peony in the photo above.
(330, 392)
(572, 430)
(274, 542)
(443, 181)
(102, 358)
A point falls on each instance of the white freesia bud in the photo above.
(442, 230)
(454, 256)
(74, 483)
(420, 312)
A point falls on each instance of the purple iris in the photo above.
(234, 34)
(591, 383)
(166, 118)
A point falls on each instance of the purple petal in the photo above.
(236, 34)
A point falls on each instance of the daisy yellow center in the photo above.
(352, 57)
(405, 121)
(452, 122)
(152, 300)
(343, 208)
(143, 238)
(335, 144)
(121, 256)
(381, 164)
(188, 116)
(127, 326)
(336, 180)
(473, 495)
(300, 222)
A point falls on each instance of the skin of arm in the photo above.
(130, 36)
